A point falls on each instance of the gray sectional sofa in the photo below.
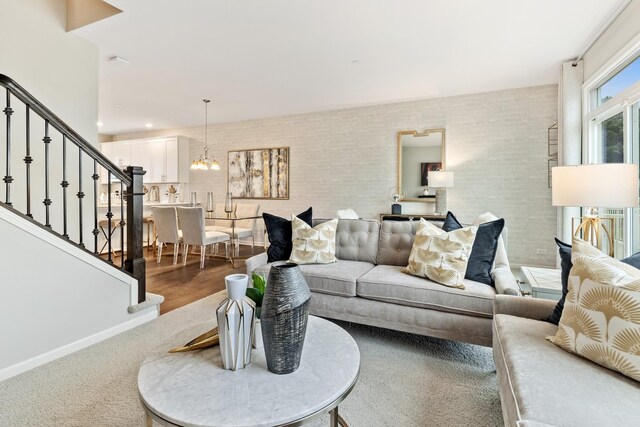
(542, 385)
(367, 286)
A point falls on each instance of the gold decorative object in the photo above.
(592, 229)
(206, 340)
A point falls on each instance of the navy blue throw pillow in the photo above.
(565, 263)
(280, 234)
(483, 251)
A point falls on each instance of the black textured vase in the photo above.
(285, 310)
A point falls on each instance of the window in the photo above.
(612, 133)
(619, 82)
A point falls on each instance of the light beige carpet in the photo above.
(405, 380)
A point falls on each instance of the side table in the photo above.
(543, 282)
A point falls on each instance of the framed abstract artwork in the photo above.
(259, 174)
(425, 168)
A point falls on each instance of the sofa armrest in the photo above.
(255, 262)
(505, 281)
(529, 308)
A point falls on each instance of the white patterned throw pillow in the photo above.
(439, 255)
(601, 316)
(313, 245)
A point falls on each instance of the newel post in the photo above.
(135, 263)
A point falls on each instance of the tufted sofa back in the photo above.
(356, 239)
(396, 241)
(388, 243)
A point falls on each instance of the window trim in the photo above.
(593, 115)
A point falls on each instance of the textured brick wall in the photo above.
(496, 145)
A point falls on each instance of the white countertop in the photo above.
(147, 204)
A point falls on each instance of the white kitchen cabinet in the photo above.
(121, 154)
(158, 160)
(164, 159)
(140, 156)
(172, 169)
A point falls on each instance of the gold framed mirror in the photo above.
(419, 153)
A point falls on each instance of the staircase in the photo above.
(59, 293)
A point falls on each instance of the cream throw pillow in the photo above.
(315, 245)
(439, 255)
(601, 316)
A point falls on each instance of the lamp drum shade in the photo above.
(610, 185)
(441, 179)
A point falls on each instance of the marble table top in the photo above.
(192, 389)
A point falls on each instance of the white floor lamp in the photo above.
(606, 185)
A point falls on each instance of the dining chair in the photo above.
(166, 224)
(244, 228)
(195, 233)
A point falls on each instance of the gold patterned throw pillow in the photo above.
(315, 245)
(601, 316)
(439, 255)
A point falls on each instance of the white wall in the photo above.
(55, 299)
(623, 30)
(61, 70)
(496, 145)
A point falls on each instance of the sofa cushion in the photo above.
(440, 255)
(541, 383)
(279, 233)
(396, 242)
(387, 283)
(315, 245)
(601, 315)
(484, 248)
(338, 278)
(357, 240)
(564, 250)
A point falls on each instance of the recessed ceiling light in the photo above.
(118, 105)
(355, 61)
(100, 124)
(148, 125)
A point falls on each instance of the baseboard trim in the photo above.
(18, 368)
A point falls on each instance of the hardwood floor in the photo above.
(183, 285)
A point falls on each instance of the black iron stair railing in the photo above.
(18, 192)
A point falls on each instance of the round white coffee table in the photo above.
(192, 389)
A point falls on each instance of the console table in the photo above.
(411, 217)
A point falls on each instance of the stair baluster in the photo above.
(8, 111)
(47, 201)
(95, 231)
(28, 159)
(80, 198)
(64, 184)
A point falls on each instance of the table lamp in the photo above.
(605, 185)
(441, 180)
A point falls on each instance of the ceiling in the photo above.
(256, 58)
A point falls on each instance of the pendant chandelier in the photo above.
(205, 161)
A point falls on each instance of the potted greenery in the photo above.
(256, 293)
